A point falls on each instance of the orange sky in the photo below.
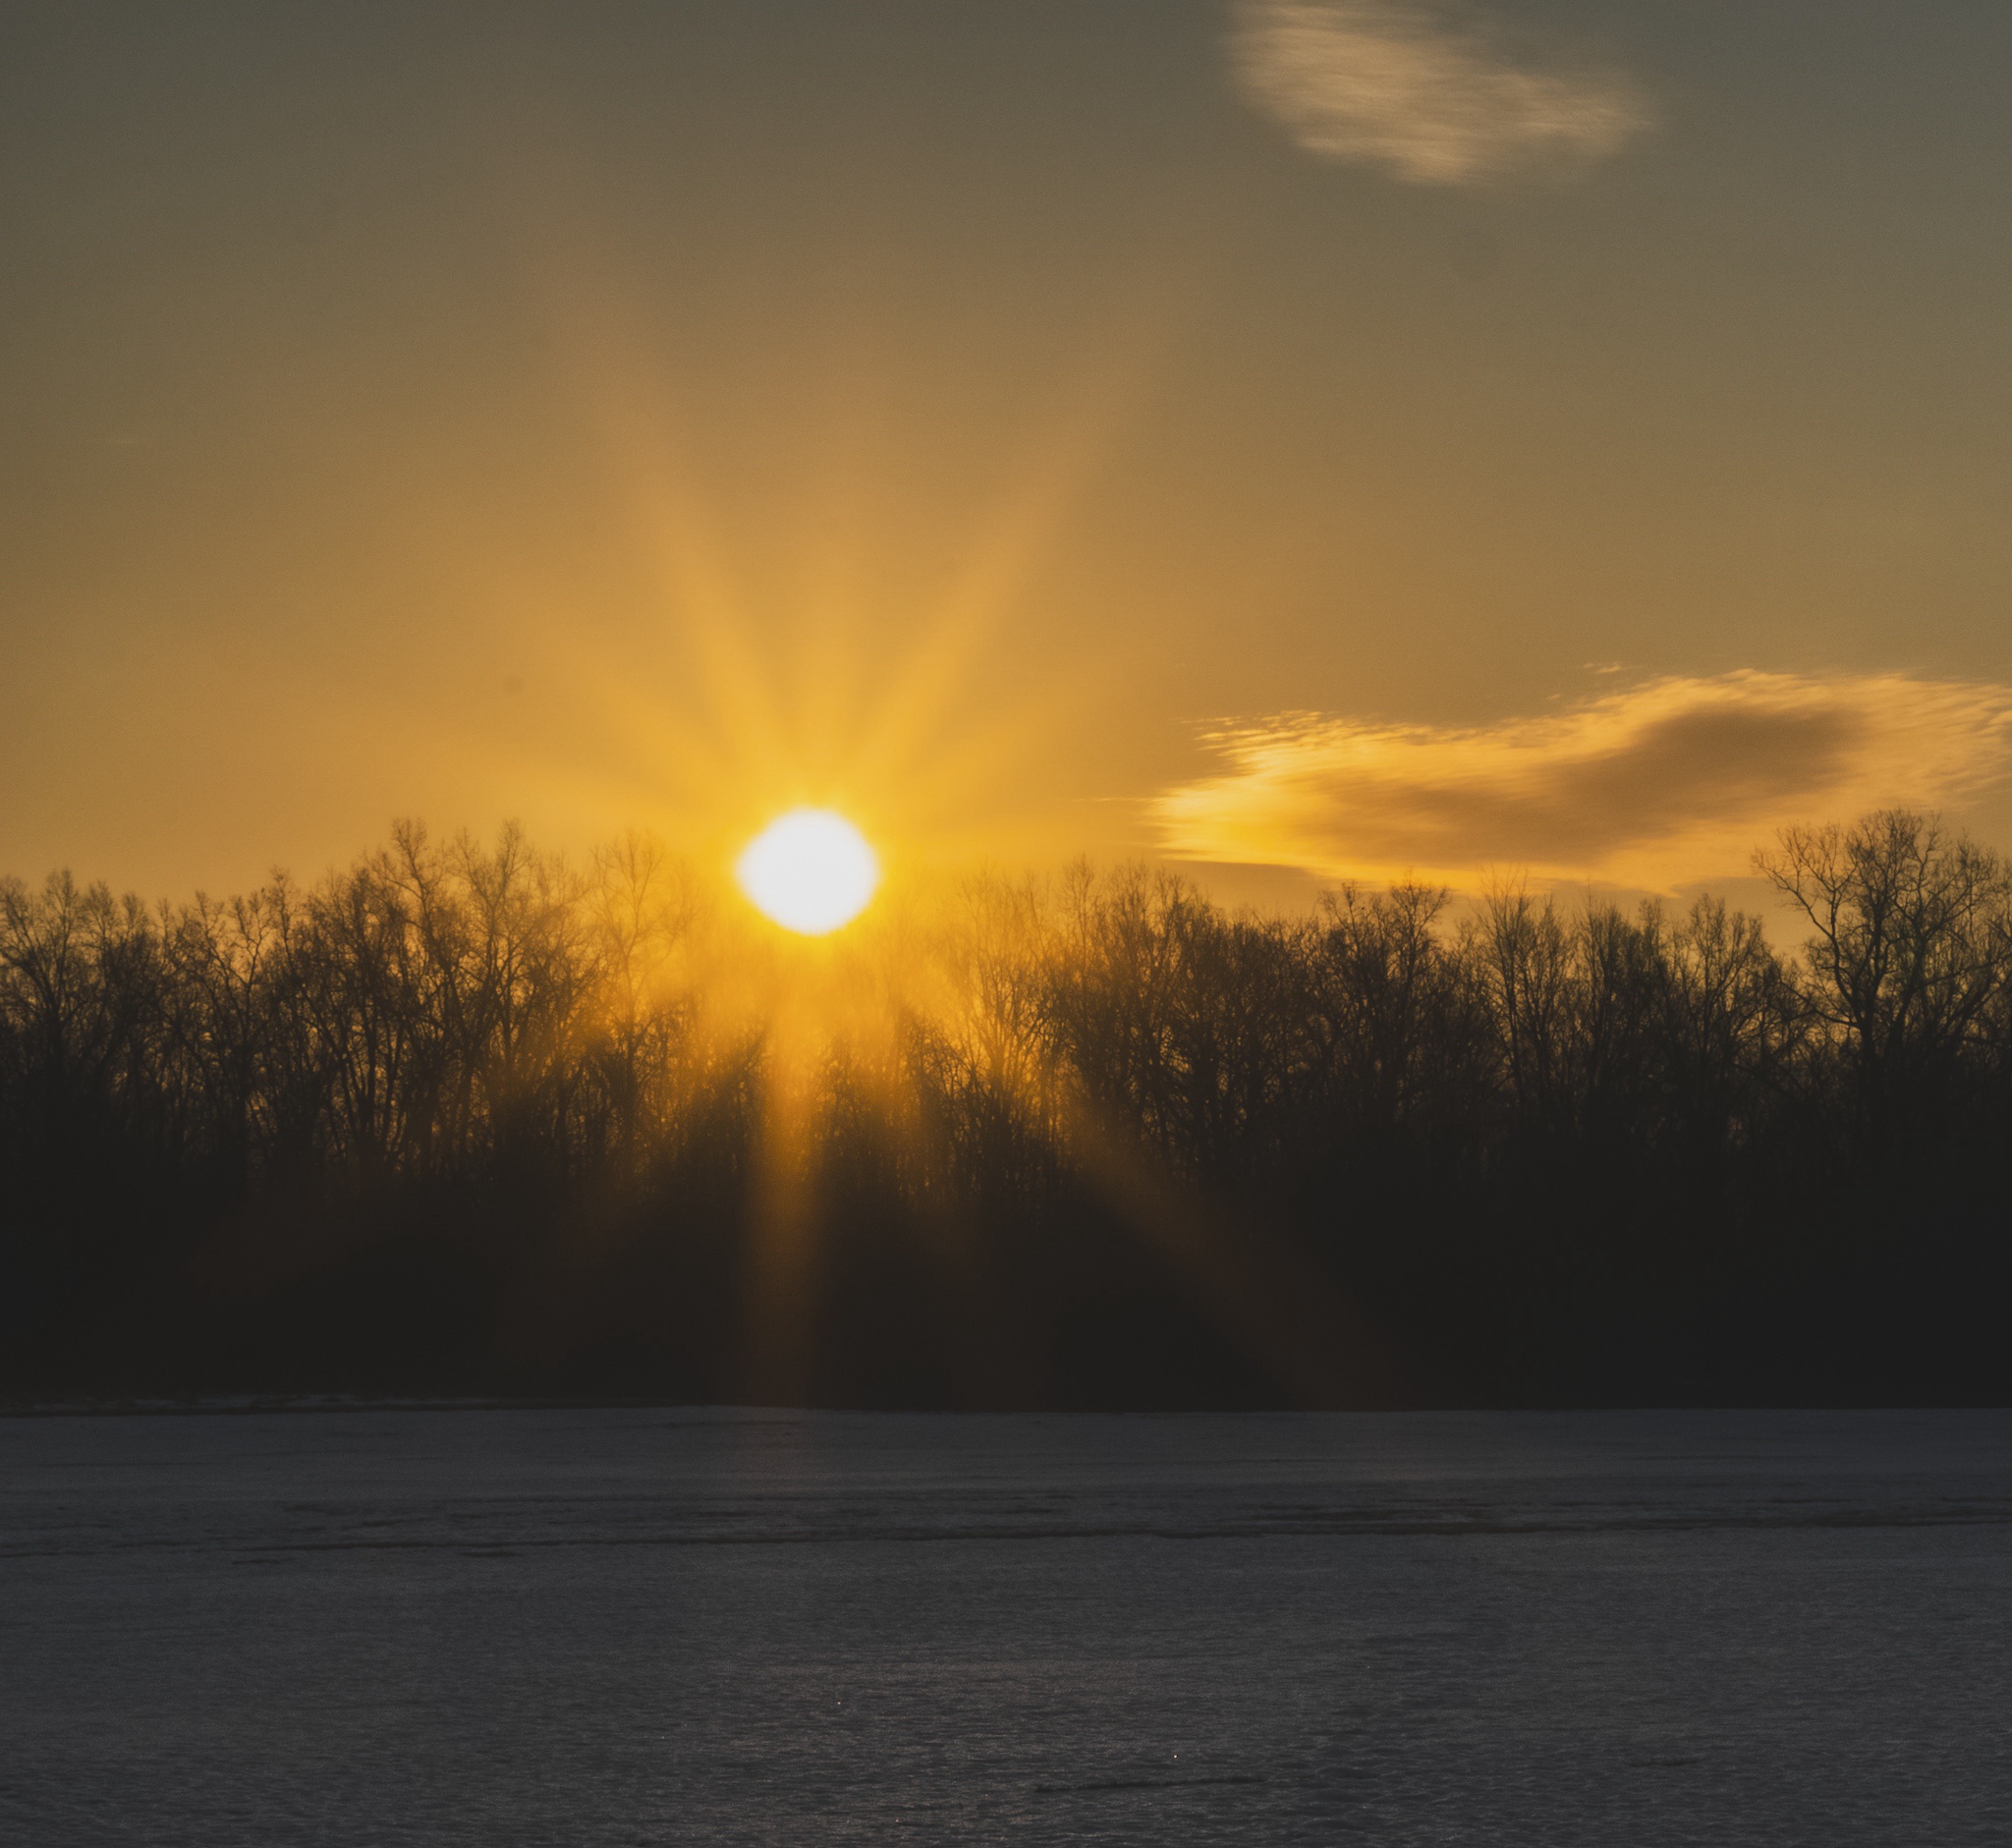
(1572, 438)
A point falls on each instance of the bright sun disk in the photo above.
(811, 870)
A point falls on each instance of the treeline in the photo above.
(464, 1118)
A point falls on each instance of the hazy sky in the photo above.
(1346, 436)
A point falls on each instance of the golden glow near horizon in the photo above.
(810, 870)
(763, 426)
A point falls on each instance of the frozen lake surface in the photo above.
(512, 1627)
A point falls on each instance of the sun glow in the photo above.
(811, 870)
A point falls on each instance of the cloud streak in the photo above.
(1665, 783)
(1394, 83)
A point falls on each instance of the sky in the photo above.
(1300, 439)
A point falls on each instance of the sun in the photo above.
(811, 870)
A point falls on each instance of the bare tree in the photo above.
(1908, 952)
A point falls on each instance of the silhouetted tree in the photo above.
(1546, 1150)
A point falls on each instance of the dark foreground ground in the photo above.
(503, 1627)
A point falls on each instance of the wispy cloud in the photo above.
(1399, 85)
(1667, 782)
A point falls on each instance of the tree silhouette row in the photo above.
(465, 1118)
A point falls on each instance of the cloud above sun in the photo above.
(1404, 85)
(1662, 784)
